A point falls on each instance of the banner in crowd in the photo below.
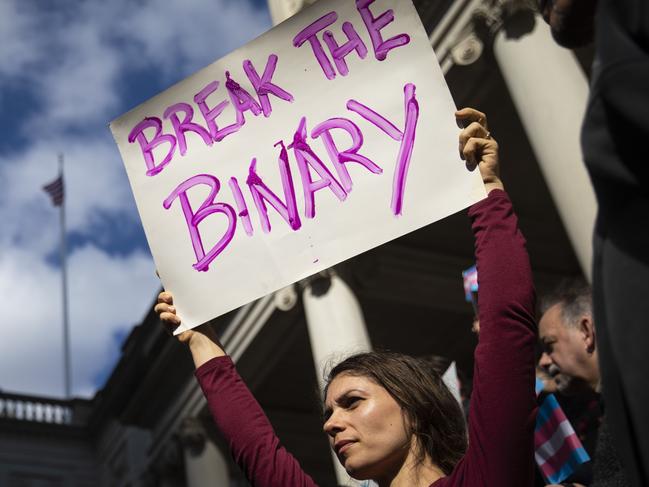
(327, 136)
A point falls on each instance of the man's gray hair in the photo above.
(575, 298)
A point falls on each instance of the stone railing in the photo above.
(35, 409)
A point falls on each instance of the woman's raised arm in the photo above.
(238, 416)
(503, 406)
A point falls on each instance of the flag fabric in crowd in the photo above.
(470, 278)
(56, 190)
(558, 450)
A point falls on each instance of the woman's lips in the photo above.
(343, 445)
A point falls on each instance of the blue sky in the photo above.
(67, 68)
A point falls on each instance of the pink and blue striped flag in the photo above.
(558, 450)
(470, 280)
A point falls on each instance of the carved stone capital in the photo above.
(467, 50)
(169, 461)
(317, 284)
(489, 17)
(515, 17)
(192, 436)
(285, 298)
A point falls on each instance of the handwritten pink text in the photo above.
(339, 52)
(314, 175)
(149, 134)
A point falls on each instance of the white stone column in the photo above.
(335, 321)
(204, 463)
(336, 329)
(550, 92)
(334, 317)
(280, 10)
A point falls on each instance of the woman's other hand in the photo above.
(167, 313)
(478, 148)
(202, 341)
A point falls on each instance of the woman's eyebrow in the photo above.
(347, 393)
(341, 398)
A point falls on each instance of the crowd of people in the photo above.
(391, 419)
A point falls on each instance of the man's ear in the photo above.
(587, 329)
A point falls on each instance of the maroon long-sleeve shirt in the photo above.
(503, 406)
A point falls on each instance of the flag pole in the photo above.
(64, 286)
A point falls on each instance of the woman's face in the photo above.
(367, 429)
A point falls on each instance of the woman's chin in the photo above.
(355, 471)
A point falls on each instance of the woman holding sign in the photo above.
(388, 416)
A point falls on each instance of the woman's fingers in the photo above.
(170, 319)
(466, 116)
(473, 130)
(473, 149)
(167, 314)
(483, 154)
(477, 147)
(166, 310)
(165, 297)
(474, 125)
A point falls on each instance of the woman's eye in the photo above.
(353, 401)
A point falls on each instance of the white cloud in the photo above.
(106, 294)
(18, 49)
(74, 61)
(78, 90)
(108, 291)
(184, 35)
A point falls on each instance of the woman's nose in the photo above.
(333, 425)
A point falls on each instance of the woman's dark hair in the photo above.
(433, 414)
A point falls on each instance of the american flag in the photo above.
(56, 190)
(558, 450)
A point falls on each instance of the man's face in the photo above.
(564, 348)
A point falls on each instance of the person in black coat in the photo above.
(614, 135)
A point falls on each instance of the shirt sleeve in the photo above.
(247, 430)
(503, 406)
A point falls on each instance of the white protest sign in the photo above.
(327, 136)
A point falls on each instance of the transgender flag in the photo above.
(470, 279)
(558, 450)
